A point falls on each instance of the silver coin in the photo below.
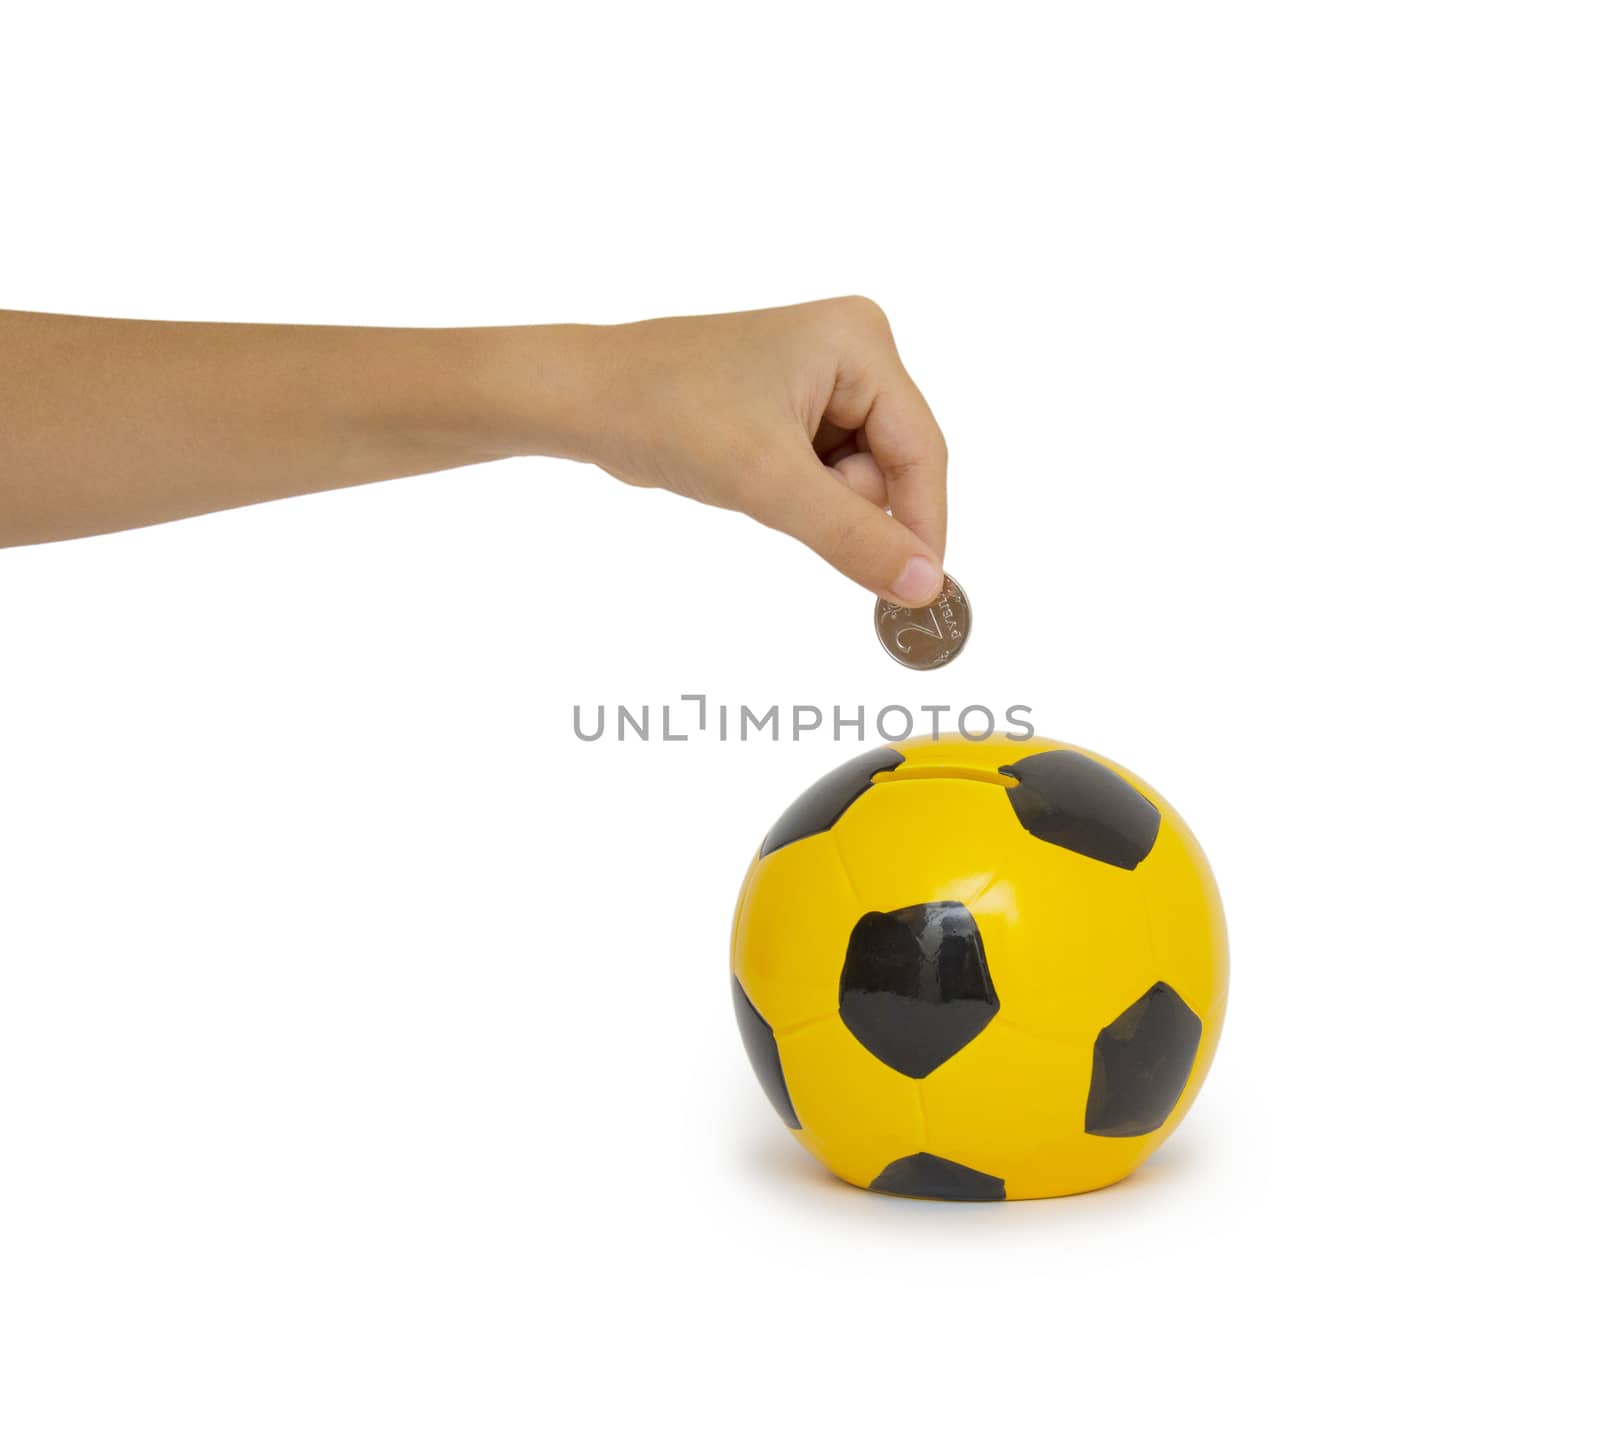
(929, 637)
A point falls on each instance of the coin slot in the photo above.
(979, 775)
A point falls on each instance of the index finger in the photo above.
(909, 446)
(904, 438)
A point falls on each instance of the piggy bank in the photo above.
(979, 970)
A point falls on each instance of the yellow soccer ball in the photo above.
(977, 970)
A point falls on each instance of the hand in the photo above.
(803, 418)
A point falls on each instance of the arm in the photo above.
(802, 417)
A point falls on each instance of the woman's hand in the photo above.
(803, 418)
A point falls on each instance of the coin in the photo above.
(929, 637)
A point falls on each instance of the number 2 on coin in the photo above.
(935, 632)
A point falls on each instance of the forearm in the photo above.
(110, 424)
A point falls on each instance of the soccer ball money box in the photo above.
(976, 970)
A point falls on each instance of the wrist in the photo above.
(541, 389)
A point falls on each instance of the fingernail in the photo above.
(919, 582)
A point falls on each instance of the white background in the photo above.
(366, 1062)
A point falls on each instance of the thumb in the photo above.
(860, 540)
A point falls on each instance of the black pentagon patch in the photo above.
(1141, 1063)
(762, 1049)
(823, 804)
(924, 1176)
(1068, 799)
(915, 986)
